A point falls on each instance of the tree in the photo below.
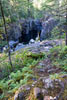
(58, 9)
(9, 54)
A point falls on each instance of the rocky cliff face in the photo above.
(47, 27)
(29, 29)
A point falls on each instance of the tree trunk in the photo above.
(9, 53)
(28, 8)
(66, 26)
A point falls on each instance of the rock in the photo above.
(52, 70)
(32, 41)
(19, 46)
(48, 43)
(37, 93)
(48, 83)
(48, 48)
(41, 64)
(5, 49)
(47, 25)
(24, 87)
(30, 29)
(13, 44)
(44, 91)
(19, 96)
(47, 98)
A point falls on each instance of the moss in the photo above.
(35, 55)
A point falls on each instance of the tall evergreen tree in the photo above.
(9, 54)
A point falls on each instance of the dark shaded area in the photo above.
(30, 30)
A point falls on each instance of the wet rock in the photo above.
(37, 93)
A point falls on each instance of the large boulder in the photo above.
(47, 27)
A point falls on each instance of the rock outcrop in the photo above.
(47, 27)
(30, 30)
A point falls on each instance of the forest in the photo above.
(33, 49)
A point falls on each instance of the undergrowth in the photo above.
(22, 71)
(59, 57)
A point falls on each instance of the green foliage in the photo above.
(57, 33)
(55, 49)
(57, 75)
(59, 57)
(39, 66)
(54, 76)
(63, 53)
(3, 43)
(22, 71)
